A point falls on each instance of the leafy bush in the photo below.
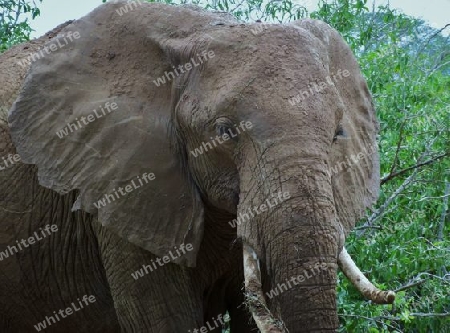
(14, 29)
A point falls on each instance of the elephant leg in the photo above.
(241, 319)
(215, 307)
(227, 296)
(162, 300)
(222, 259)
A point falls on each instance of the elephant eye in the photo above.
(340, 133)
(223, 129)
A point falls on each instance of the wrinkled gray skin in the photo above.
(288, 149)
(50, 274)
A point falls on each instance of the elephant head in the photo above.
(217, 118)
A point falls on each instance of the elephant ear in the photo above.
(354, 160)
(112, 68)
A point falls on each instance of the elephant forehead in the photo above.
(279, 47)
(253, 78)
(285, 59)
(263, 85)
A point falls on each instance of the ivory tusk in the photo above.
(364, 286)
(265, 320)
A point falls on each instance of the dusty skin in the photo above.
(289, 149)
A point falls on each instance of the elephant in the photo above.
(164, 168)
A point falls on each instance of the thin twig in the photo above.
(419, 314)
(409, 285)
(401, 172)
(378, 227)
(440, 235)
(415, 314)
(399, 143)
(380, 211)
(443, 280)
(428, 198)
(376, 319)
(432, 36)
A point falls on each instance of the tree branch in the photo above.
(380, 211)
(399, 143)
(401, 172)
(409, 285)
(419, 314)
(440, 235)
(376, 319)
(378, 227)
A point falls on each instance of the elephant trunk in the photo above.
(303, 279)
(295, 245)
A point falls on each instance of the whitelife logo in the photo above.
(12, 159)
(317, 88)
(128, 188)
(271, 202)
(340, 166)
(225, 137)
(58, 43)
(181, 251)
(260, 27)
(64, 312)
(296, 280)
(48, 230)
(207, 328)
(90, 118)
(206, 55)
(129, 6)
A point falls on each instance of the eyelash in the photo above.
(222, 129)
(339, 132)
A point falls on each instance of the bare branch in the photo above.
(428, 198)
(418, 314)
(399, 144)
(378, 227)
(409, 285)
(401, 172)
(380, 211)
(440, 235)
(376, 319)
(432, 36)
(442, 279)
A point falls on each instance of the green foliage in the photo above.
(250, 10)
(406, 64)
(14, 29)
